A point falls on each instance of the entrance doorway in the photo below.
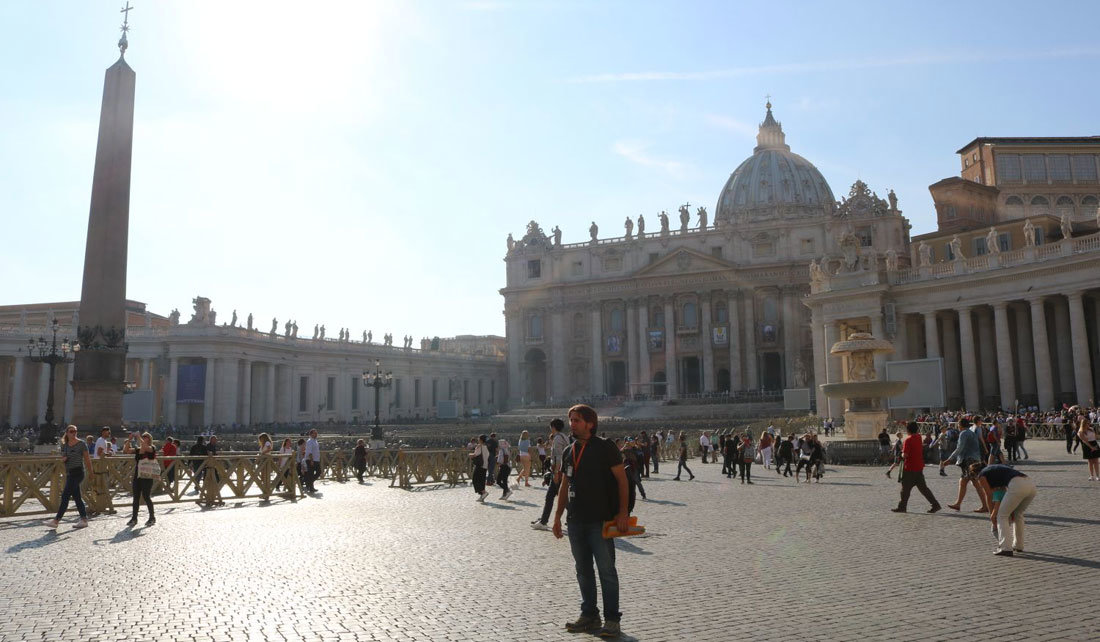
(773, 371)
(660, 385)
(535, 366)
(692, 377)
(616, 378)
(723, 380)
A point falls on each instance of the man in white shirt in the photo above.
(103, 444)
(313, 455)
(704, 445)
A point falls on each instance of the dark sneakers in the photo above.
(610, 629)
(587, 624)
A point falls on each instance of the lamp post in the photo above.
(377, 380)
(50, 353)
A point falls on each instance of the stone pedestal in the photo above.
(864, 424)
(97, 404)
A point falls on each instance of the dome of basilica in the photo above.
(773, 179)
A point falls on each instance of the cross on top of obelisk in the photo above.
(122, 42)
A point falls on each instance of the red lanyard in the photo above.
(577, 456)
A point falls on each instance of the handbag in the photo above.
(148, 469)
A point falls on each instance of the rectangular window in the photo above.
(1035, 168)
(355, 383)
(1004, 241)
(435, 392)
(948, 253)
(1008, 168)
(949, 211)
(722, 314)
(659, 318)
(396, 393)
(1040, 236)
(864, 235)
(1059, 168)
(716, 252)
(534, 269)
(1084, 167)
(578, 268)
(980, 247)
(653, 256)
(330, 394)
(807, 246)
(303, 394)
(416, 393)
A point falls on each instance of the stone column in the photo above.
(245, 412)
(951, 365)
(987, 352)
(671, 369)
(879, 332)
(1041, 345)
(18, 391)
(901, 337)
(630, 343)
(1082, 366)
(170, 393)
(820, 359)
(595, 312)
(1025, 355)
(558, 357)
(285, 408)
(790, 337)
(147, 374)
(832, 368)
(209, 401)
(514, 332)
(269, 394)
(931, 336)
(1005, 366)
(43, 390)
(967, 358)
(751, 380)
(645, 373)
(734, 334)
(68, 411)
(708, 344)
(1063, 346)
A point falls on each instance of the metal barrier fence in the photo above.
(1051, 431)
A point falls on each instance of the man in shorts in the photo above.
(969, 451)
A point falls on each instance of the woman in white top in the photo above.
(524, 447)
(265, 444)
(1090, 449)
(287, 449)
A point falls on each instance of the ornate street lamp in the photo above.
(50, 353)
(377, 380)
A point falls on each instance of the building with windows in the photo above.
(200, 373)
(688, 307)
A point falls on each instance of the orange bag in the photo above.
(610, 531)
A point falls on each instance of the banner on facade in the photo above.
(614, 344)
(656, 339)
(191, 383)
(721, 335)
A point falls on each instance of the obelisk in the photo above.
(101, 362)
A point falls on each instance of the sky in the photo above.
(359, 164)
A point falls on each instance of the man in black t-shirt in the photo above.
(595, 493)
(493, 444)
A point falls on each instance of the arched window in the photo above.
(534, 326)
(1040, 206)
(1040, 200)
(1013, 200)
(771, 310)
(691, 315)
(617, 320)
(722, 313)
(659, 318)
(578, 326)
(1064, 206)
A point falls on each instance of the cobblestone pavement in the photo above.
(721, 559)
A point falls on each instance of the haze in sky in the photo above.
(359, 164)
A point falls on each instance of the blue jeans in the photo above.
(586, 540)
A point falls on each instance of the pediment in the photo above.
(684, 261)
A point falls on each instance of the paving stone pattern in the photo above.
(720, 562)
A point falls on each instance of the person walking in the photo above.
(1009, 492)
(504, 468)
(1090, 450)
(359, 459)
(786, 456)
(643, 445)
(655, 453)
(897, 454)
(729, 456)
(912, 470)
(313, 462)
(168, 458)
(493, 445)
(524, 447)
(704, 445)
(285, 463)
(142, 483)
(197, 453)
(766, 441)
(683, 459)
(967, 453)
(558, 444)
(595, 491)
(480, 457)
(74, 454)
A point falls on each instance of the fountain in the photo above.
(864, 417)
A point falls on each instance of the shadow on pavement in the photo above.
(1061, 559)
(663, 502)
(48, 538)
(1072, 520)
(628, 547)
(127, 534)
(500, 506)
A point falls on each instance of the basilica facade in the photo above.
(1003, 293)
(689, 306)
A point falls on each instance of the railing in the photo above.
(1034, 430)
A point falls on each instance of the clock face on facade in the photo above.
(860, 205)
